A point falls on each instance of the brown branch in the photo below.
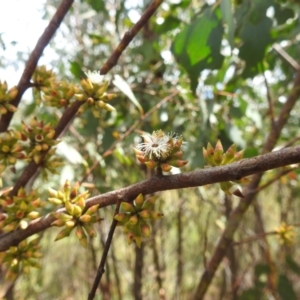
(129, 35)
(271, 181)
(70, 113)
(250, 192)
(101, 268)
(260, 236)
(34, 57)
(269, 97)
(235, 171)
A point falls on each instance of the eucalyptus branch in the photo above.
(261, 235)
(71, 112)
(101, 268)
(34, 57)
(129, 35)
(250, 192)
(277, 177)
(235, 171)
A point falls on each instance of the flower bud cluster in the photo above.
(135, 218)
(58, 94)
(75, 215)
(5, 97)
(51, 163)
(43, 77)
(286, 234)
(18, 210)
(20, 258)
(217, 157)
(93, 92)
(10, 148)
(40, 136)
(161, 150)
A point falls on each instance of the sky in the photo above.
(21, 25)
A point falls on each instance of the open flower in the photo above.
(161, 150)
(94, 77)
(156, 145)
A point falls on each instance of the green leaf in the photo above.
(125, 88)
(75, 69)
(255, 39)
(285, 288)
(292, 264)
(197, 46)
(251, 294)
(169, 23)
(282, 14)
(98, 39)
(97, 5)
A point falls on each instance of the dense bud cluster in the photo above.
(135, 218)
(286, 234)
(161, 150)
(43, 77)
(217, 157)
(20, 258)
(94, 94)
(51, 163)
(10, 149)
(40, 136)
(5, 97)
(19, 210)
(59, 94)
(75, 215)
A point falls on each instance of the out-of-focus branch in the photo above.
(101, 268)
(129, 35)
(70, 113)
(286, 57)
(34, 57)
(250, 192)
(235, 171)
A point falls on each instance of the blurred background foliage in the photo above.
(222, 62)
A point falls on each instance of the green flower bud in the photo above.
(139, 201)
(64, 233)
(127, 207)
(156, 215)
(166, 167)
(92, 209)
(146, 230)
(145, 214)
(133, 220)
(85, 218)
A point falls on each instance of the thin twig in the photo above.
(269, 97)
(278, 176)
(235, 171)
(260, 236)
(101, 268)
(129, 35)
(293, 63)
(34, 57)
